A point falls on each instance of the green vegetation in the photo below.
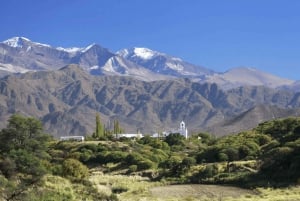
(99, 132)
(102, 132)
(36, 167)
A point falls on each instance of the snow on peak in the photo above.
(15, 41)
(19, 42)
(87, 48)
(123, 53)
(144, 53)
(75, 49)
(70, 49)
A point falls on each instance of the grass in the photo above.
(271, 194)
(126, 187)
(136, 188)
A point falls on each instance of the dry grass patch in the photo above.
(270, 194)
(126, 187)
(198, 192)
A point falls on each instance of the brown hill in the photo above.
(68, 99)
(251, 118)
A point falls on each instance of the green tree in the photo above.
(99, 132)
(23, 133)
(171, 164)
(23, 146)
(186, 164)
(117, 128)
(174, 139)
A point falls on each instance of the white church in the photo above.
(182, 130)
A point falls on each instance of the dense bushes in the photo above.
(23, 155)
(269, 153)
(74, 169)
(243, 146)
(281, 161)
(275, 144)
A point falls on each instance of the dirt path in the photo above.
(198, 190)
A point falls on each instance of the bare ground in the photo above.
(199, 190)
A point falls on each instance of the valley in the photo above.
(257, 164)
(243, 127)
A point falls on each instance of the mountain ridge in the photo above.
(20, 55)
(67, 100)
(144, 89)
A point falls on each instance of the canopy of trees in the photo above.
(268, 154)
(23, 159)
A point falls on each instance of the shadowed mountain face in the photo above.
(67, 101)
(251, 118)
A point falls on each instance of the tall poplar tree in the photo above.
(99, 132)
(117, 128)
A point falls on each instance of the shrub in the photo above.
(232, 153)
(132, 168)
(175, 139)
(74, 169)
(145, 164)
(209, 171)
(133, 158)
(7, 167)
(222, 157)
(115, 157)
(119, 189)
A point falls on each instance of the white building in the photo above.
(130, 135)
(182, 130)
(72, 138)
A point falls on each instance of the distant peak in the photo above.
(144, 53)
(19, 42)
(242, 69)
(18, 38)
(141, 52)
(15, 41)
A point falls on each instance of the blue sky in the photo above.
(217, 34)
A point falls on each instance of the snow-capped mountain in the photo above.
(162, 63)
(19, 42)
(117, 65)
(20, 55)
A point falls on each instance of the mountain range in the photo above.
(19, 55)
(144, 89)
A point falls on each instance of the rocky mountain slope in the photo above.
(67, 100)
(244, 76)
(144, 89)
(163, 64)
(251, 118)
(19, 55)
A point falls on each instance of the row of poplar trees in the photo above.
(101, 132)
